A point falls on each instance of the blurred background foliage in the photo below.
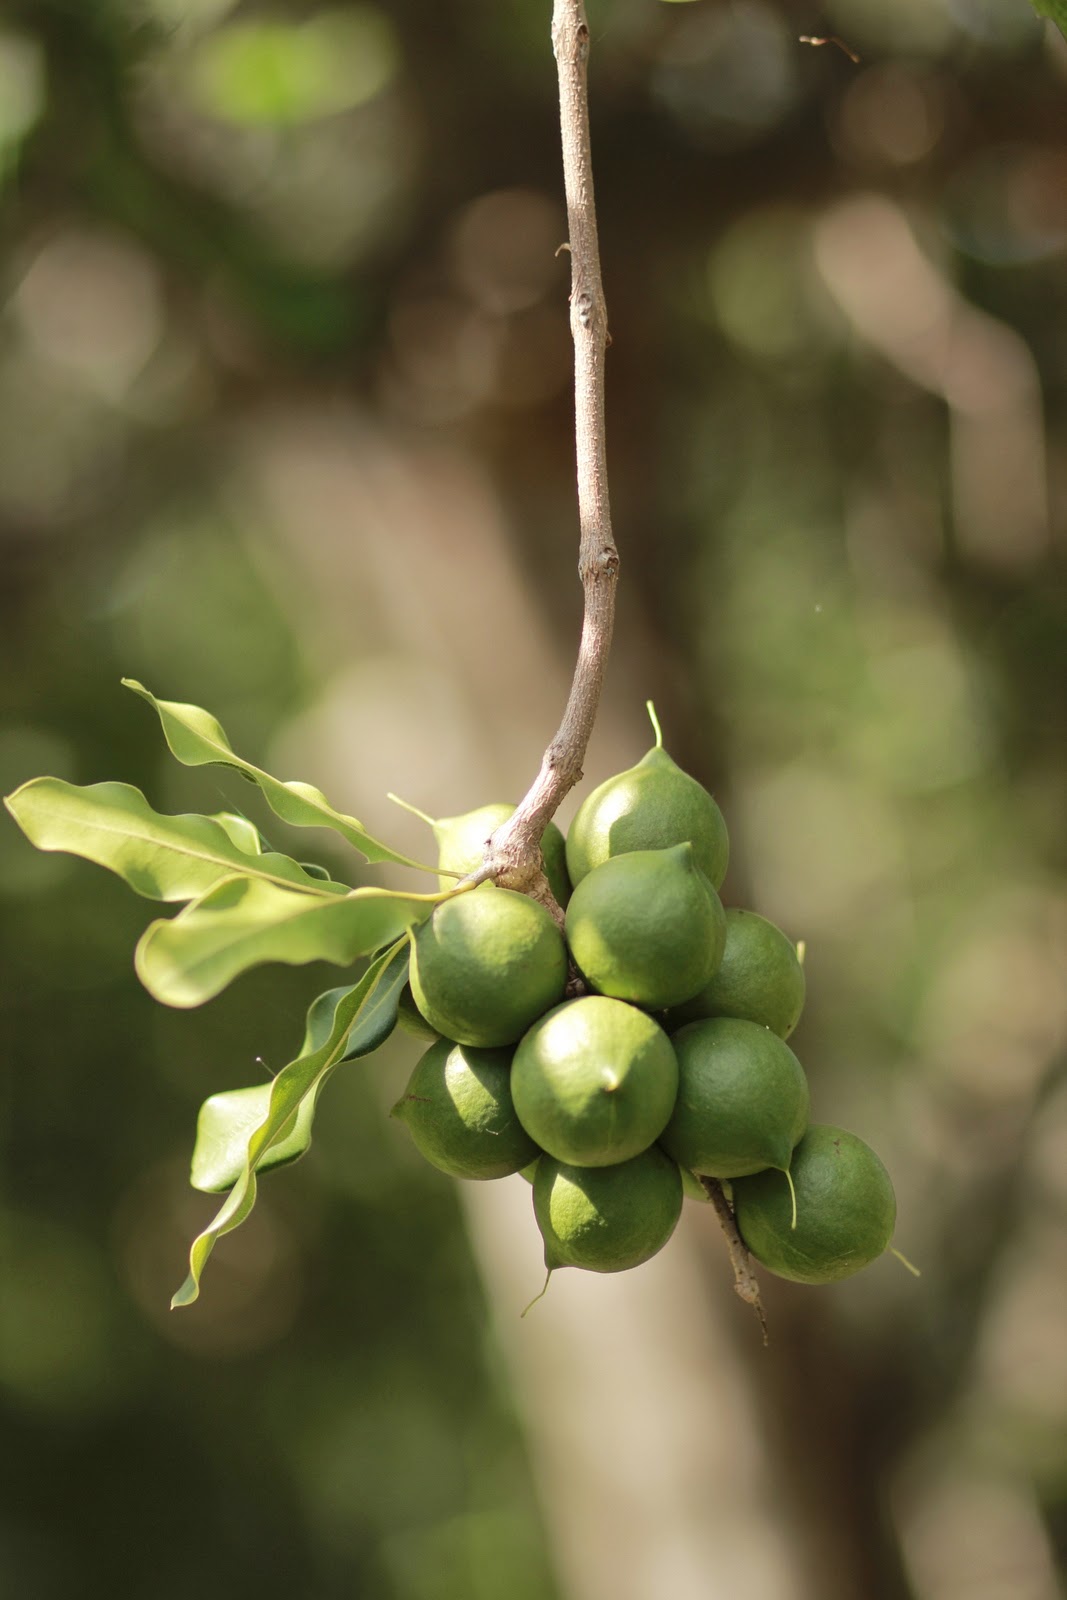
(285, 430)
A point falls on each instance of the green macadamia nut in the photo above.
(458, 1109)
(594, 1081)
(486, 965)
(647, 927)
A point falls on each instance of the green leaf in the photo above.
(301, 1078)
(246, 921)
(224, 1127)
(376, 1020)
(313, 870)
(161, 857)
(244, 834)
(1056, 9)
(228, 1120)
(197, 740)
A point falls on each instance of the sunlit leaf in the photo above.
(246, 836)
(161, 857)
(247, 921)
(1056, 10)
(293, 1084)
(197, 740)
(224, 1127)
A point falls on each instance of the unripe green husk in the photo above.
(606, 1219)
(760, 978)
(647, 927)
(742, 1099)
(458, 1109)
(648, 807)
(845, 1209)
(486, 965)
(594, 1081)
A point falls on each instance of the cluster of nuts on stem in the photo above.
(668, 1066)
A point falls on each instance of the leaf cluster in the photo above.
(242, 904)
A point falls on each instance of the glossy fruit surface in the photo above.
(458, 1109)
(759, 978)
(742, 1099)
(846, 1209)
(647, 927)
(486, 965)
(594, 1081)
(648, 807)
(461, 843)
(606, 1219)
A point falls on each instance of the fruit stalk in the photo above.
(745, 1283)
(513, 857)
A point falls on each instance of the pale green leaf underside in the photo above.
(224, 1126)
(244, 834)
(1056, 9)
(161, 857)
(299, 1079)
(246, 921)
(227, 1120)
(197, 740)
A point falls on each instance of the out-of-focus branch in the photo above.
(513, 858)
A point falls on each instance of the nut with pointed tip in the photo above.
(594, 1081)
(647, 927)
(742, 1099)
(606, 1219)
(648, 807)
(845, 1209)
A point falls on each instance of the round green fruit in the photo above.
(461, 843)
(648, 807)
(458, 1109)
(647, 927)
(742, 1099)
(759, 978)
(594, 1081)
(846, 1209)
(606, 1219)
(411, 1019)
(486, 965)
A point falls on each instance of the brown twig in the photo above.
(745, 1282)
(513, 858)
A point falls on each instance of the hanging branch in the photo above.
(514, 854)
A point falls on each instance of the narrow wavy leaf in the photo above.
(161, 857)
(376, 1020)
(226, 1123)
(293, 1084)
(244, 834)
(246, 921)
(196, 738)
(228, 1120)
